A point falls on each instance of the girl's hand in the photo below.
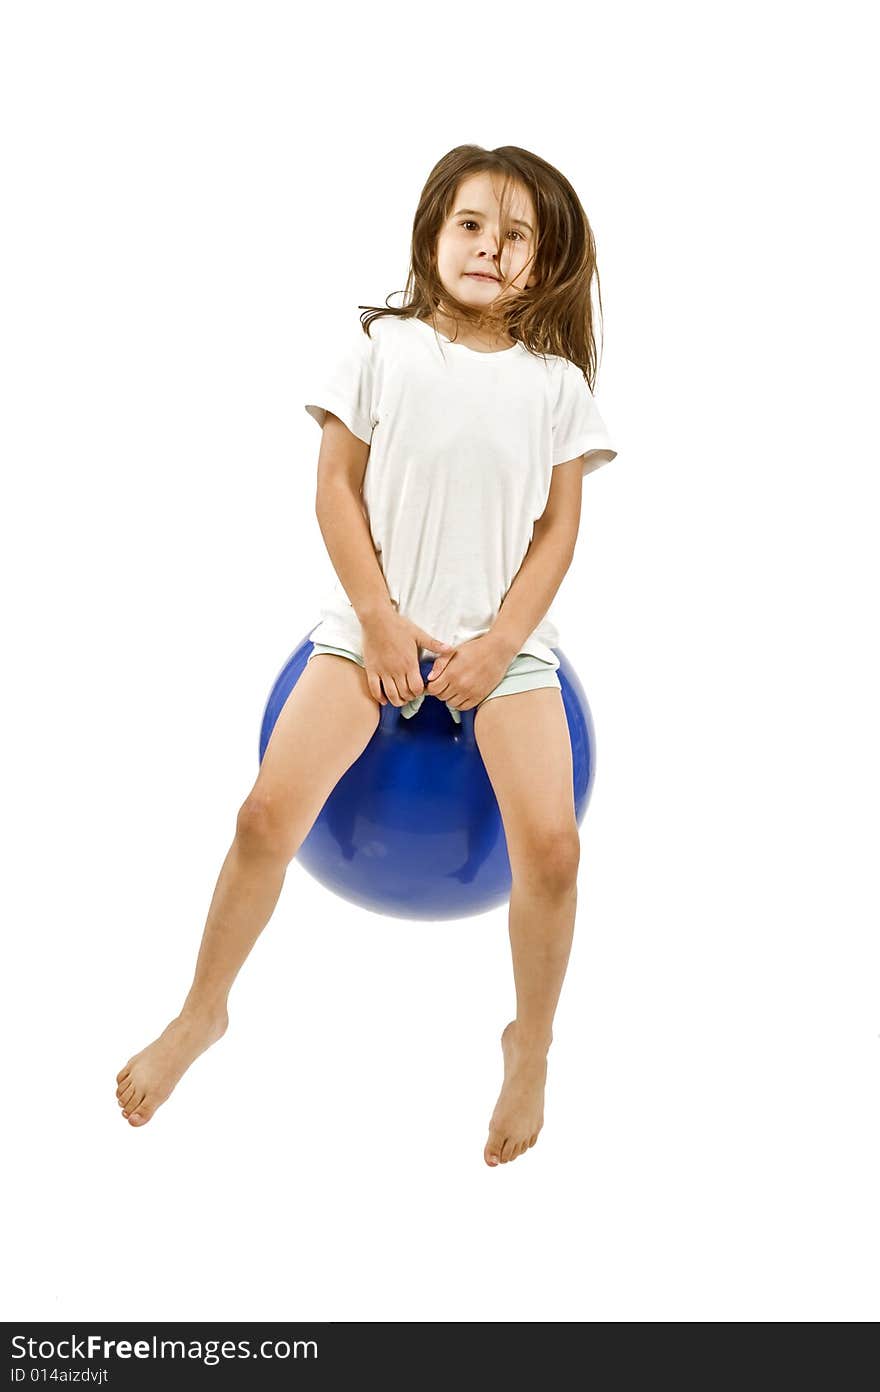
(391, 646)
(467, 675)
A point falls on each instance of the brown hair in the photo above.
(555, 316)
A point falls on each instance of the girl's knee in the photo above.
(261, 825)
(549, 861)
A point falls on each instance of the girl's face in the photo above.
(469, 242)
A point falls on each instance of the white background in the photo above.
(197, 197)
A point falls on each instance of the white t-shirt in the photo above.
(462, 448)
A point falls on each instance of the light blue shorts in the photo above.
(525, 673)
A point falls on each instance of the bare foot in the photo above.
(148, 1079)
(519, 1111)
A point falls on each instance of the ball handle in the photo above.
(390, 715)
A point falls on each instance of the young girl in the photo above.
(456, 431)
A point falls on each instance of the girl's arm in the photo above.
(545, 563)
(344, 525)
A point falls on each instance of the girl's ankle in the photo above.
(200, 1011)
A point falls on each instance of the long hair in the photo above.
(555, 316)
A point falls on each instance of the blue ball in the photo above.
(413, 828)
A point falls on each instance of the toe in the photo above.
(507, 1151)
(142, 1113)
(492, 1152)
(124, 1092)
(134, 1103)
(122, 1075)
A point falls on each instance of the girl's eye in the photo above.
(514, 231)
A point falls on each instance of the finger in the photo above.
(393, 694)
(440, 665)
(435, 645)
(415, 683)
(375, 686)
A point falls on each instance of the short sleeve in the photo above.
(578, 429)
(346, 388)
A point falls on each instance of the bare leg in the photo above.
(541, 926)
(326, 723)
(526, 748)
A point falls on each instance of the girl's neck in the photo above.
(471, 338)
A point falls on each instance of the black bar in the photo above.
(118, 1354)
